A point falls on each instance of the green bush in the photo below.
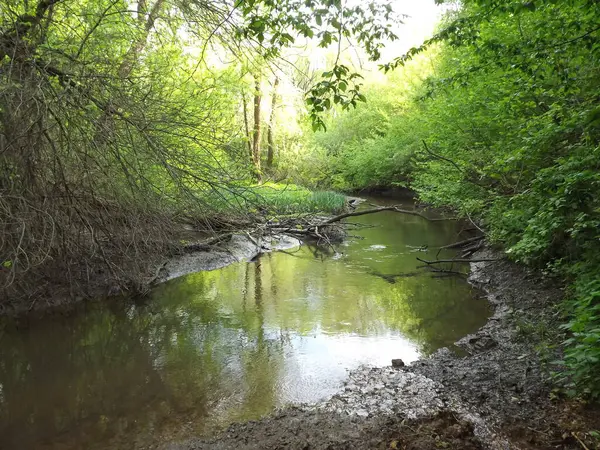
(276, 199)
(582, 354)
(506, 128)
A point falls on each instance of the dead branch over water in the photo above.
(457, 260)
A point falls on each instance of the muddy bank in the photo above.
(238, 247)
(498, 396)
(191, 258)
(301, 430)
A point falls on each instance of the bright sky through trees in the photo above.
(422, 16)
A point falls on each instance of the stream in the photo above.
(213, 348)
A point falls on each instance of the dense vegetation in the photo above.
(504, 126)
(120, 121)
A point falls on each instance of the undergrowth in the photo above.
(276, 199)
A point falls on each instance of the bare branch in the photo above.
(457, 260)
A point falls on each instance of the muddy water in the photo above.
(216, 347)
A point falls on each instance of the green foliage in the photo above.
(512, 124)
(515, 140)
(372, 145)
(329, 22)
(582, 355)
(118, 119)
(277, 199)
(504, 128)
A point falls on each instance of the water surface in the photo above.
(232, 344)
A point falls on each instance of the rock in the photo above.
(397, 363)
(362, 413)
(481, 343)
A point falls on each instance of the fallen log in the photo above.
(457, 260)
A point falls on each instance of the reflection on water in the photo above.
(216, 347)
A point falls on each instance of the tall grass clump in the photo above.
(277, 199)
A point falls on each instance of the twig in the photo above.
(251, 239)
(579, 440)
(474, 224)
(156, 273)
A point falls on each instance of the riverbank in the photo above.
(236, 248)
(498, 396)
(121, 251)
(191, 251)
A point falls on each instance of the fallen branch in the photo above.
(392, 277)
(469, 251)
(394, 208)
(443, 271)
(579, 440)
(462, 243)
(458, 260)
(153, 279)
(287, 230)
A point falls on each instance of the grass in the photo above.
(277, 199)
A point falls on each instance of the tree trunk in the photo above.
(270, 144)
(12, 39)
(247, 127)
(256, 137)
(146, 22)
(105, 125)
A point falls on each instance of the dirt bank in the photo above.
(238, 247)
(498, 396)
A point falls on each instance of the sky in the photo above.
(419, 24)
(423, 16)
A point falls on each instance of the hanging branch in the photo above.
(468, 174)
(435, 155)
